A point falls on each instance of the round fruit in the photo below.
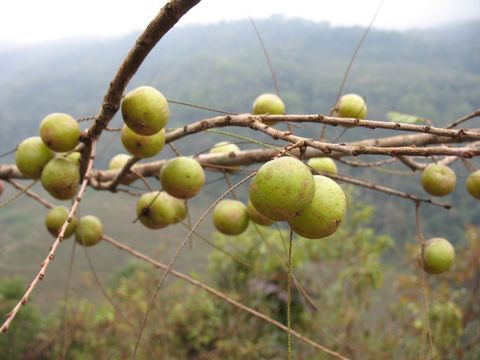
(351, 106)
(156, 210)
(55, 219)
(438, 256)
(180, 210)
(325, 213)
(256, 216)
(225, 147)
(323, 164)
(473, 184)
(32, 155)
(182, 177)
(89, 231)
(230, 217)
(60, 177)
(438, 180)
(75, 157)
(282, 188)
(142, 146)
(117, 163)
(60, 132)
(268, 104)
(145, 110)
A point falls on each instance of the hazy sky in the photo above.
(39, 20)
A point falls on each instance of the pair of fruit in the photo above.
(158, 209)
(88, 232)
(145, 113)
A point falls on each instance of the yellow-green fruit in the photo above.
(75, 157)
(325, 213)
(282, 188)
(256, 216)
(438, 180)
(438, 256)
(32, 155)
(118, 162)
(351, 106)
(89, 231)
(156, 210)
(180, 209)
(145, 110)
(323, 164)
(60, 177)
(55, 219)
(60, 132)
(268, 104)
(142, 146)
(225, 147)
(230, 217)
(473, 184)
(182, 177)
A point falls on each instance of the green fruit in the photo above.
(117, 163)
(32, 155)
(282, 188)
(142, 146)
(75, 157)
(224, 147)
(180, 210)
(145, 110)
(156, 210)
(55, 219)
(324, 214)
(351, 106)
(256, 216)
(438, 180)
(230, 217)
(323, 164)
(182, 177)
(438, 256)
(473, 184)
(89, 231)
(268, 104)
(60, 132)
(60, 177)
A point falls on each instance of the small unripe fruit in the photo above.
(75, 157)
(117, 163)
(180, 210)
(182, 177)
(230, 217)
(55, 219)
(351, 106)
(142, 146)
(438, 180)
(323, 164)
(256, 216)
(89, 231)
(32, 155)
(225, 147)
(269, 104)
(60, 132)
(282, 188)
(473, 184)
(325, 213)
(438, 256)
(156, 210)
(60, 177)
(145, 110)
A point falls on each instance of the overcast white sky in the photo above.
(27, 21)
